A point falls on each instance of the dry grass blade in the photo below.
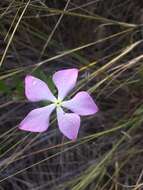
(12, 35)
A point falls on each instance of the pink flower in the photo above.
(81, 104)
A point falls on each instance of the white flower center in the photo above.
(58, 103)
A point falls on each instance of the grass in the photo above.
(103, 39)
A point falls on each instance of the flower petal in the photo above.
(38, 119)
(65, 81)
(69, 123)
(37, 90)
(81, 104)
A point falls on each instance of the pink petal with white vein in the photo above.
(81, 104)
(37, 90)
(69, 123)
(37, 120)
(65, 81)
